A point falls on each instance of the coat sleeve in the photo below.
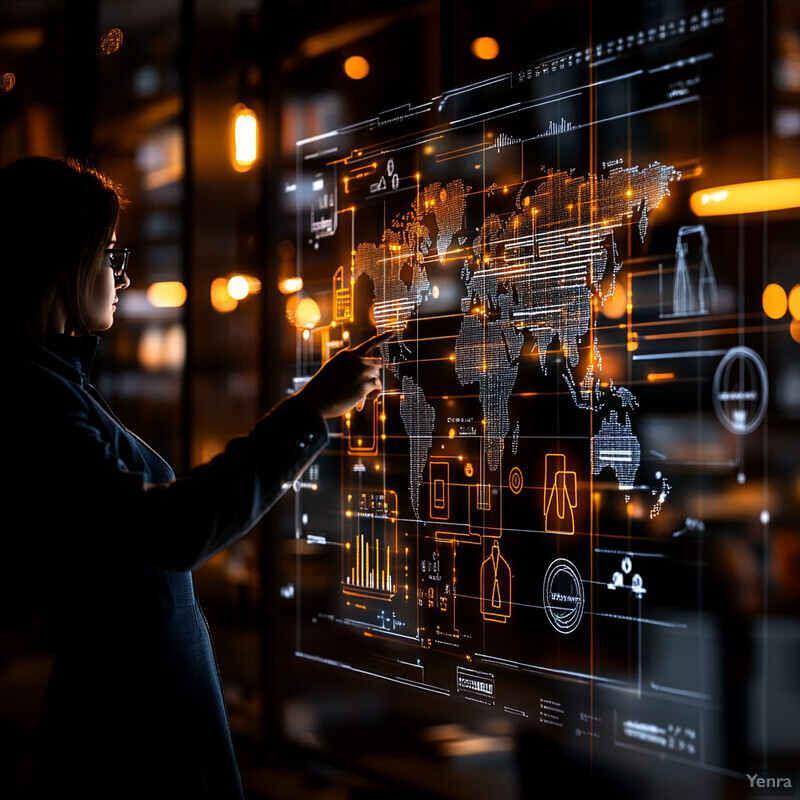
(89, 501)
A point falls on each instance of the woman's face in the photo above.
(103, 296)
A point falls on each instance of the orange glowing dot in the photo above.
(356, 67)
(452, 433)
(238, 287)
(7, 81)
(290, 285)
(774, 301)
(485, 47)
(794, 301)
(307, 313)
(220, 299)
(794, 330)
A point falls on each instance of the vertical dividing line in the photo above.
(592, 201)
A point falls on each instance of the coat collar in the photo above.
(69, 356)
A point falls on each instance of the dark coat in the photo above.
(134, 706)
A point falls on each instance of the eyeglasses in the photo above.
(117, 259)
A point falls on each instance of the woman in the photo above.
(134, 706)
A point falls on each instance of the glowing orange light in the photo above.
(794, 330)
(7, 81)
(614, 307)
(290, 285)
(660, 376)
(238, 288)
(356, 67)
(485, 47)
(773, 300)
(220, 297)
(307, 313)
(166, 294)
(245, 138)
(794, 301)
(746, 198)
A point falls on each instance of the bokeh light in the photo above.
(245, 138)
(307, 313)
(356, 67)
(773, 301)
(290, 285)
(166, 294)
(747, 198)
(485, 47)
(615, 305)
(221, 299)
(794, 302)
(238, 288)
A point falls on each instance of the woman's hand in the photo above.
(348, 379)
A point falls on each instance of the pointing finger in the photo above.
(372, 343)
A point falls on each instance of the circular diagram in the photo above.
(741, 390)
(562, 593)
(515, 480)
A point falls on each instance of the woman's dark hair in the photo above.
(56, 218)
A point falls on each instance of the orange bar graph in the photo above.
(376, 577)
